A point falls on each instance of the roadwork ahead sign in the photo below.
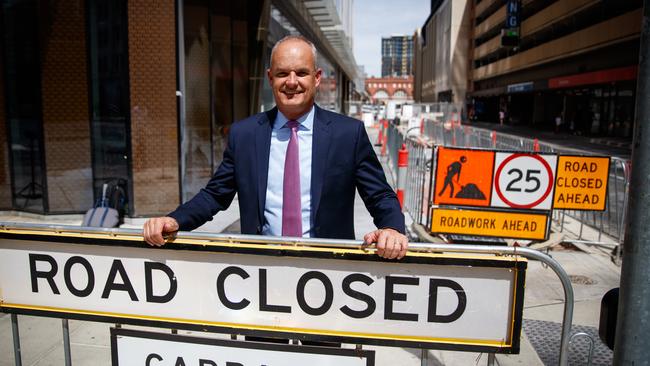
(533, 226)
(425, 300)
(522, 186)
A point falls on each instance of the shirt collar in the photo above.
(306, 120)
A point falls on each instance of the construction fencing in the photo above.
(421, 131)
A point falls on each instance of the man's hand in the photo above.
(155, 228)
(390, 243)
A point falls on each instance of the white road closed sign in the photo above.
(523, 181)
(132, 347)
(424, 300)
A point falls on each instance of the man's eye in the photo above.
(303, 73)
(282, 74)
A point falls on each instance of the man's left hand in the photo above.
(390, 243)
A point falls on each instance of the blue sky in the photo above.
(374, 19)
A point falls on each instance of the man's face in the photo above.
(293, 78)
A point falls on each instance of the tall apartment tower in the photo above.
(396, 56)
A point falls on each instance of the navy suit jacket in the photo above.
(342, 160)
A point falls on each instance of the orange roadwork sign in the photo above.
(581, 183)
(501, 224)
(463, 177)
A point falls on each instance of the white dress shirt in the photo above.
(279, 141)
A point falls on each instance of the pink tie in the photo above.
(291, 213)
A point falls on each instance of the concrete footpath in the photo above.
(592, 274)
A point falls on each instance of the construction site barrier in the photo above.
(59, 233)
(610, 222)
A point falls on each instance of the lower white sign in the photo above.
(139, 348)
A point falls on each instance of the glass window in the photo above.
(216, 35)
(196, 160)
(109, 84)
(23, 103)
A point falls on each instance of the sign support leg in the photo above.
(66, 342)
(16, 335)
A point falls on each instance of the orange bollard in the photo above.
(536, 145)
(380, 137)
(494, 138)
(402, 165)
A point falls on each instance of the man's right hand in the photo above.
(155, 228)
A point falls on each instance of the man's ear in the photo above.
(269, 75)
(319, 73)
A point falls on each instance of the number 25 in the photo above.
(529, 178)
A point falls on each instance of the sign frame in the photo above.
(109, 239)
(369, 355)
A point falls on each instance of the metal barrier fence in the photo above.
(346, 244)
(610, 222)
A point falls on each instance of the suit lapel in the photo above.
(262, 149)
(320, 150)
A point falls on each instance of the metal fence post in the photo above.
(16, 335)
(424, 357)
(66, 342)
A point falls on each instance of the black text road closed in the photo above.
(347, 295)
(582, 182)
(133, 347)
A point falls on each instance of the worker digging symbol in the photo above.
(469, 190)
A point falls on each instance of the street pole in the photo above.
(630, 346)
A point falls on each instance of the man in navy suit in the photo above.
(319, 156)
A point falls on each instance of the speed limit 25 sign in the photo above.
(485, 178)
(523, 180)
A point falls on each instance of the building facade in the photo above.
(141, 93)
(441, 56)
(576, 60)
(396, 56)
(382, 90)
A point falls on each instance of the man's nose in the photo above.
(292, 80)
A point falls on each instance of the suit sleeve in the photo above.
(379, 198)
(216, 196)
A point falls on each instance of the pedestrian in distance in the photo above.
(558, 122)
(502, 116)
(295, 168)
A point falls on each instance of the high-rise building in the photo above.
(396, 56)
(554, 58)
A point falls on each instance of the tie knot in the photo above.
(292, 124)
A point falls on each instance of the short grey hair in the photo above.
(296, 37)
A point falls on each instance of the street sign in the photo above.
(485, 178)
(524, 180)
(581, 183)
(135, 347)
(425, 300)
(516, 225)
(463, 177)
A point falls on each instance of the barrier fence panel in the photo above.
(417, 185)
(610, 222)
(325, 290)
